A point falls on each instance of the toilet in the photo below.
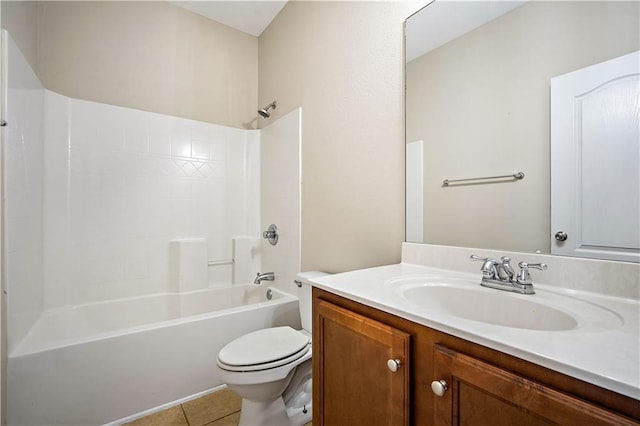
(271, 369)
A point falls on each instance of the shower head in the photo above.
(265, 111)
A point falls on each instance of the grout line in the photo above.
(223, 417)
(184, 413)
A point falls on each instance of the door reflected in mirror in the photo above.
(478, 105)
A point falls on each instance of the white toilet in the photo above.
(271, 369)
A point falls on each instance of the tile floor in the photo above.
(221, 408)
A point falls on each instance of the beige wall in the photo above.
(151, 56)
(481, 104)
(342, 62)
(20, 18)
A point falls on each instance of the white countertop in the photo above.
(608, 357)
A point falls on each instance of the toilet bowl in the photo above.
(271, 369)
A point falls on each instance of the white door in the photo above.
(595, 161)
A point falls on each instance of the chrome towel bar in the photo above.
(517, 176)
(220, 262)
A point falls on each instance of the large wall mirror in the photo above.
(523, 126)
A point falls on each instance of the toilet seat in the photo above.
(264, 349)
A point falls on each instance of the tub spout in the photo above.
(267, 276)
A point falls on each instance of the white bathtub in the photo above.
(100, 362)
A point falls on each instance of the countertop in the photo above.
(607, 356)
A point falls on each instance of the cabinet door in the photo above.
(479, 393)
(353, 384)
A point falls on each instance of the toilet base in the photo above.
(298, 398)
(271, 397)
(300, 416)
(267, 413)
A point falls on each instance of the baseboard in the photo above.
(164, 406)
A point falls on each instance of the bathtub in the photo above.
(100, 362)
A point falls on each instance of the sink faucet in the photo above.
(267, 276)
(500, 275)
(504, 271)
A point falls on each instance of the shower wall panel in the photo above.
(280, 144)
(120, 183)
(23, 190)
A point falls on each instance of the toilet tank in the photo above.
(304, 294)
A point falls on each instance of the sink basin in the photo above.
(544, 311)
(491, 308)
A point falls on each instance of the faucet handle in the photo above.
(487, 260)
(488, 267)
(540, 266)
(478, 258)
(523, 276)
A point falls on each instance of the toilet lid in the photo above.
(263, 347)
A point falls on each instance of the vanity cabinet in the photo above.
(480, 393)
(353, 384)
(353, 344)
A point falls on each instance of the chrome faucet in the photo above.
(267, 276)
(504, 271)
(500, 275)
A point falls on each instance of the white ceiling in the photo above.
(444, 20)
(248, 16)
(425, 30)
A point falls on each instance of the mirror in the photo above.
(478, 105)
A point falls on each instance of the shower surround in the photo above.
(98, 198)
(121, 183)
(118, 185)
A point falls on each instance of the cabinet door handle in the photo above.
(439, 387)
(394, 364)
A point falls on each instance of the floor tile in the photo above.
(231, 420)
(211, 407)
(173, 416)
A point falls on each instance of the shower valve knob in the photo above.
(271, 234)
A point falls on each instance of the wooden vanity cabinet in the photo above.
(480, 393)
(354, 386)
(353, 344)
